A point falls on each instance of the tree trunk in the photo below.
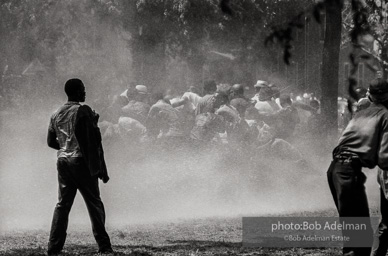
(384, 58)
(195, 64)
(147, 45)
(330, 68)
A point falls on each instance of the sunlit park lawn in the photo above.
(214, 236)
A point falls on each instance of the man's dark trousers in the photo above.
(346, 182)
(72, 175)
(380, 245)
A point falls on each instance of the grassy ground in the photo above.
(189, 237)
(203, 181)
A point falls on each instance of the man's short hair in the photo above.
(276, 92)
(193, 89)
(285, 99)
(238, 89)
(361, 91)
(378, 90)
(73, 86)
(222, 95)
(378, 86)
(210, 86)
(265, 94)
(314, 104)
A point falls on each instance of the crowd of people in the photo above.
(268, 123)
(214, 115)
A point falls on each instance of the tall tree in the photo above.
(369, 28)
(330, 57)
(146, 22)
(330, 68)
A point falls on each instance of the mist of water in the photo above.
(143, 187)
(154, 187)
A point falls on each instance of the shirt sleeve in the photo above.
(185, 96)
(52, 141)
(383, 150)
(51, 125)
(219, 123)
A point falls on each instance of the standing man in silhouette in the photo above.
(73, 131)
(363, 144)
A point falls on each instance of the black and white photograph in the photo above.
(194, 127)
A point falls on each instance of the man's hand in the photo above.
(52, 141)
(105, 179)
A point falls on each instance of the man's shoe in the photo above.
(106, 251)
(53, 253)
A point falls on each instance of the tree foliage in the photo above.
(70, 38)
(113, 42)
(366, 22)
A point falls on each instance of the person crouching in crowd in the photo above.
(164, 124)
(208, 124)
(137, 107)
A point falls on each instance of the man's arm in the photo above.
(52, 140)
(303, 106)
(152, 123)
(383, 149)
(179, 102)
(271, 118)
(89, 139)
